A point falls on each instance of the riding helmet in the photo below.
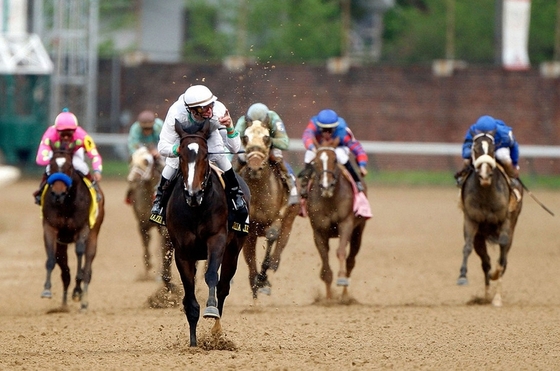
(485, 124)
(257, 111)
(327, 119)
(65, 121)
(146, 119)
(198, 96)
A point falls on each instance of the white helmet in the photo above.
(257, 111)
(198, 96)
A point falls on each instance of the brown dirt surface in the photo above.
(407, 313)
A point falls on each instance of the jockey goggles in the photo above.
(203, 109)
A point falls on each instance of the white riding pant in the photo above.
(78, 162)
(503, 155)
(216, 154)
(342, 155)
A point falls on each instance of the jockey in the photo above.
(192, 109)
(280, 141)
(507, 148)
(328, 129)
(145, 133)
(66, 131)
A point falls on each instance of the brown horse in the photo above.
(331, 212)
(197, 220)
(145, 172)
(271, 217)
(142, 178)
(66, 204)
(490, 210)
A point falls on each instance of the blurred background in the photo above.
(409, 76)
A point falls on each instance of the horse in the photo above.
(271, 216)
(67, 218)
(144, 173)
(490, 212)
(330, 207)
(197, 221)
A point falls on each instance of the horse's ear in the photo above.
(179, 128)
(205, 131)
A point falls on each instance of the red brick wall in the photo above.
(379, 103)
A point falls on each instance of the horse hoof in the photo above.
(342, 281)
(462, 281)
(266, 290)
(211, 312)
(46, 294)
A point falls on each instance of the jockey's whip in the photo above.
(534, 198)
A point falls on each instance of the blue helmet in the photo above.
(485, 124)
(327, 119)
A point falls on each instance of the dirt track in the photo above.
(410, 313)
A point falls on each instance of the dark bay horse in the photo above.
(144, 173)
(66, 215)
(197, 220)
(270, 217)
(490, 210)
(331, 213)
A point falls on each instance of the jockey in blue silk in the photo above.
(328, 129)
(507, 148)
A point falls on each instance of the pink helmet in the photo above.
(65, 121)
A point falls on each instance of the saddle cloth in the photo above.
(93, 207)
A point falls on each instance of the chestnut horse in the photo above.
(331, 213)
(67, 218)
(142, 178)
(271, 216)
(197, 221)
(490, 210)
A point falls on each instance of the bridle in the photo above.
(195, 198)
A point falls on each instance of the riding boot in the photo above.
(235, 193)
(304, 176)
(37, 194)
(290, 182)
(162, 195)
(94, 185)
(355, 176)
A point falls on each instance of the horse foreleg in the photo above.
(49, 237)
(62, 260)
(261, 280)
(216, 247)
(322, 244)
(80, 250)
(480, 248)
(345, 230)
(469, 229)
(187, 271)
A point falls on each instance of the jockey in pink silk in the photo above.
(66, 131)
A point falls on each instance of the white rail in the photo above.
(399, 148)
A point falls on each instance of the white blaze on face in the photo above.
(255, 134)
(324, 158)
(485, 147)
(192, 166)
(60, 161)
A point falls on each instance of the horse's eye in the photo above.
(146, 162)
(244, 139)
